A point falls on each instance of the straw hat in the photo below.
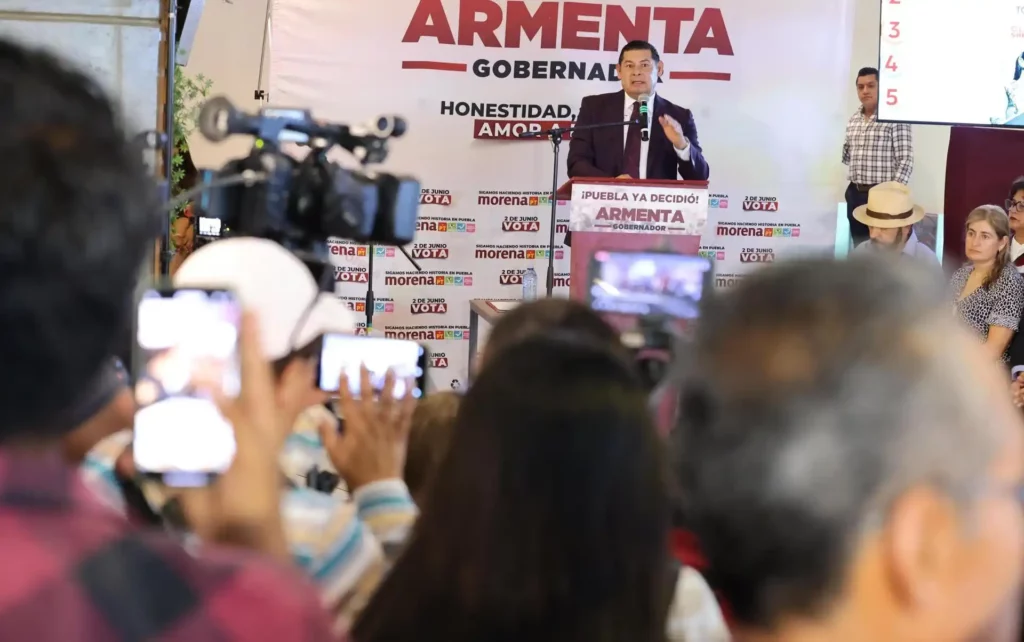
(889, 205)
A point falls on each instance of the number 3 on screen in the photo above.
(894, 29)
(890, 97)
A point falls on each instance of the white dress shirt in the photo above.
(1016, 249)
(683, 154)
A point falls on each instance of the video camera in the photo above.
(299, 203)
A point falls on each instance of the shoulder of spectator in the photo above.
(278, 603)
(694, 613)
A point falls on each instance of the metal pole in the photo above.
(172, 48)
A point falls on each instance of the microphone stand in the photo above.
(555, 134)
(369, 280)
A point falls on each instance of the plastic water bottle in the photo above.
(529, 284)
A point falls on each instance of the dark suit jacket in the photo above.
(599, 152)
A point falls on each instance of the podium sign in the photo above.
(632, 208)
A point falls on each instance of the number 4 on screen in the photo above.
(890, 64)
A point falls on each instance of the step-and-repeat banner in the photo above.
(766, 81)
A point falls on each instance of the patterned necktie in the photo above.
(631, 155)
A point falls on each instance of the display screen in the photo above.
(639, 283)
(347, 353)
(187, 351)
(952, 62)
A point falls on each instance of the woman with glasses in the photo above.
(1015, 210)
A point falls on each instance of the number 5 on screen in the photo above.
(890, 97)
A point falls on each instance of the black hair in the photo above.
(555, 478)
(867, 71)
(1016, 186)
(77, 217)
(640, 45)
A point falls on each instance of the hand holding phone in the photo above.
(349, 355)
(373, 445)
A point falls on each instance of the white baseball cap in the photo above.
(274, 284)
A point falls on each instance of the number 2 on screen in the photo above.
(890, 97)
(894, 2)
(894, 29)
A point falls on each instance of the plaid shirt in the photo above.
(345, 545)
(74, 570)
(877, 152)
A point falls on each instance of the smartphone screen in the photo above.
(186, 348)
(641, 283)
(347, 353)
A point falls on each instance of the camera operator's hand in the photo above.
(243, 506)
(372, 447)
(1017, 391)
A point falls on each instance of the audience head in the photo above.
(987, 233)
(108, 409)
(1015, 205)
(78, 215)
(549, 315)
(890, 215)
(549, 516)
(849, 458)
(432, 425)
(273, 283)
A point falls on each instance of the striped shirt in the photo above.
(346, 545)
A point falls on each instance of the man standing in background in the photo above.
(875, 152)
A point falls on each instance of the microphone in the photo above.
(645, 118)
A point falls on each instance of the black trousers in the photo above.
(854, 199)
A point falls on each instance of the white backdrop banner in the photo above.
(766, 82)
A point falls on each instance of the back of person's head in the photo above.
(106, 407)
(77, 214)
(548, 518)
(548, 315)
(840, 440)
(432, 425)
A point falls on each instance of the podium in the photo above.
(626, 214)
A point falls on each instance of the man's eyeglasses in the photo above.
(645, 66)
(1014, 205)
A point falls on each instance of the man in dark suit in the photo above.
(673, 149)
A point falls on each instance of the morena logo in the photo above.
(758, 231)
(580, 26)
(345, 249)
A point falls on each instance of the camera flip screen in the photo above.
(641, 283)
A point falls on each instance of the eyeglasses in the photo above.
(1014, 205)
(645, 66)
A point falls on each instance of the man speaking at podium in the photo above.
(661, 143)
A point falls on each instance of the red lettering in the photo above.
(510, 279)
(619, 27)
(710, 33)
(469, 26)
(573, 26)
(673, 17)
(439, 362)
(429, 21)
(520, 22)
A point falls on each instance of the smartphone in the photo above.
(1016, 372)
(186, 352)
(347, 353)
(649, 282)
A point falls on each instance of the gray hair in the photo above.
(817, 393)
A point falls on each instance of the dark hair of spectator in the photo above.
(548, 315)
(1017, 186)
(431, 432)
(548, 518)
(79, 212)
